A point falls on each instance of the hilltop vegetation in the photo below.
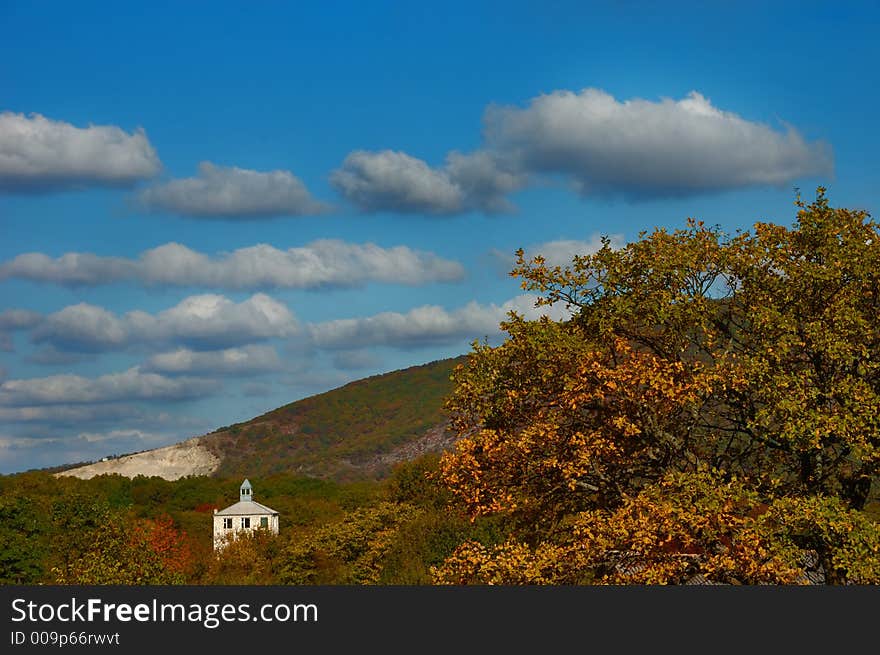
(359, 430)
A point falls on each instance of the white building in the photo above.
(246, 515)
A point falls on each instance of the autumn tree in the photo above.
(712, 407)
(100, 545)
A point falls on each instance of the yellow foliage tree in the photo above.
(711, 408)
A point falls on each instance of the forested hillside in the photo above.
(359, 430)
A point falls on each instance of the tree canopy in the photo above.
(711, 408)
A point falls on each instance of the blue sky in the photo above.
(209, 210)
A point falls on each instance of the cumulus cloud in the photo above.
(208, 321)
(322, 263)
(132, 384)
(429, 324)
(634, 148)
(229, 361)
(640, 148)
(229, 192)
(394, 181)
(40, 154)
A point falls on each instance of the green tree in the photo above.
(21, 548)
(721, 392)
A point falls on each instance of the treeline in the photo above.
(116, 530)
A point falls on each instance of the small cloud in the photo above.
(228, 192)
(394, 181)
(38, 154)
(231, 361)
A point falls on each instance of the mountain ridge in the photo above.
(359, 430)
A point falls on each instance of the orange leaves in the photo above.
(758, 354)
(167, 542)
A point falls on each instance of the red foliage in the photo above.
(169, 543)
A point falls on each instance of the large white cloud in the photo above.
(229, 361)
(642, 148)
(322, 263)
(207, 320)
(394, 181)
(233, 193)
(426, 325)
(634, 148)
(129, 385)
(41, 154)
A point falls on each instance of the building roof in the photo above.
(246, 508)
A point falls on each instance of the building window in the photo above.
(227, 524)
(245, 521)
(264, 521)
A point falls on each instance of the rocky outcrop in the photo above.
(188, 457)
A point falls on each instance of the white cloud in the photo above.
(634, 148)
(41, 154)
(639, 148)
(230, 361)
(83, 327)
(233, 193)
(426, 325)
(208, 320)
(326, 262)
(132, 384)
(395, 181)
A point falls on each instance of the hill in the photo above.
(359, 430)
